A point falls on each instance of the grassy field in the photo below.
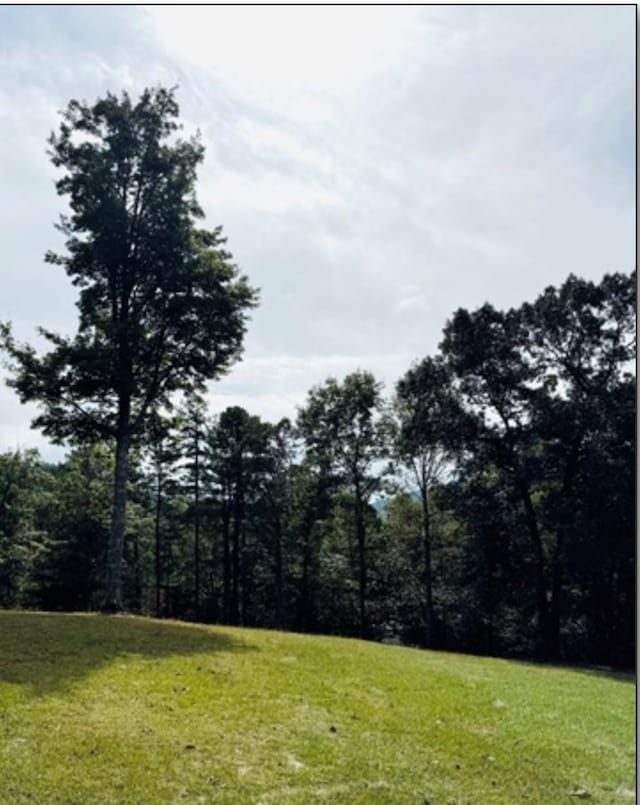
(128, 710)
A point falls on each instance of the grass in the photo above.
(129, 710)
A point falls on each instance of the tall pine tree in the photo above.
(161, 306)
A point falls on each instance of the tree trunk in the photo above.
(137, 576)
(545, 628)
(235, 579)
(426, 546)
(278, 571)
(304, 613)
(113, 595)
(553, 617)
(307, 610)
(245, 592)
(196, 546)
(552, 636)
(489, 597)
(213, 610)
(226, 563)
(157, 542)
(362, 561)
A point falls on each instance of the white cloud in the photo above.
(374, 168)
(272, 53)
(415, 301)
(269, 192)
(15, 430)
(274, 386)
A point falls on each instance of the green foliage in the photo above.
(541, 386)
(504, 527)
(67, 572)
(161, 306)
(346, 429)
(23, 494)
(343, 425)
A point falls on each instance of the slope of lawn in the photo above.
(129, 710)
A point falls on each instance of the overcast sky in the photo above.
(373, 168)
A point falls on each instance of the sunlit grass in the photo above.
(129, 710)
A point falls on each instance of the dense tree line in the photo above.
(488, 506)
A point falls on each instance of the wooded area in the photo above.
(486, 505)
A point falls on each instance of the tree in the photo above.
(238, 447)
(162, 453)
(400, 566)
(311, 488)
(581, 338)
(24, 482)
(425, 406)
(275, 488)
(344, 424)
(67, 567)
(193, 426)
(538, 385)
(483, 564)
(162, 307)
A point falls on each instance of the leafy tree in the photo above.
(274, 513)
(75, 526)
(582, 338)
(344, 424)
(497, 385)
(427, 413)
(162, 307)
(536, 383)
(238, 446)
(312, 487)
(24, 484)
(337, 572)
(162, 453)
(483, 565)
(193, 429)
(399, 570)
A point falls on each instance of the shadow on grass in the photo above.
(617, 674)
(48, 652)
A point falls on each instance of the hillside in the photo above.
(130, 710)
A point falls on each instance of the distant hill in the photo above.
(127, 710)
(380, 504)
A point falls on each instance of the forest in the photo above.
(484, 504)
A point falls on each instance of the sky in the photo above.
(373, 169)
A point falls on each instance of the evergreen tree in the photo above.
(162, 307)
(344, 424)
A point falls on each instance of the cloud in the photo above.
(374, 168)
(268, 192)
(272, 55)
(274, 386)
(15, 431)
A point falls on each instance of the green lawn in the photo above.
(100, 709)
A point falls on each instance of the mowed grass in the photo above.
(100, 709)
